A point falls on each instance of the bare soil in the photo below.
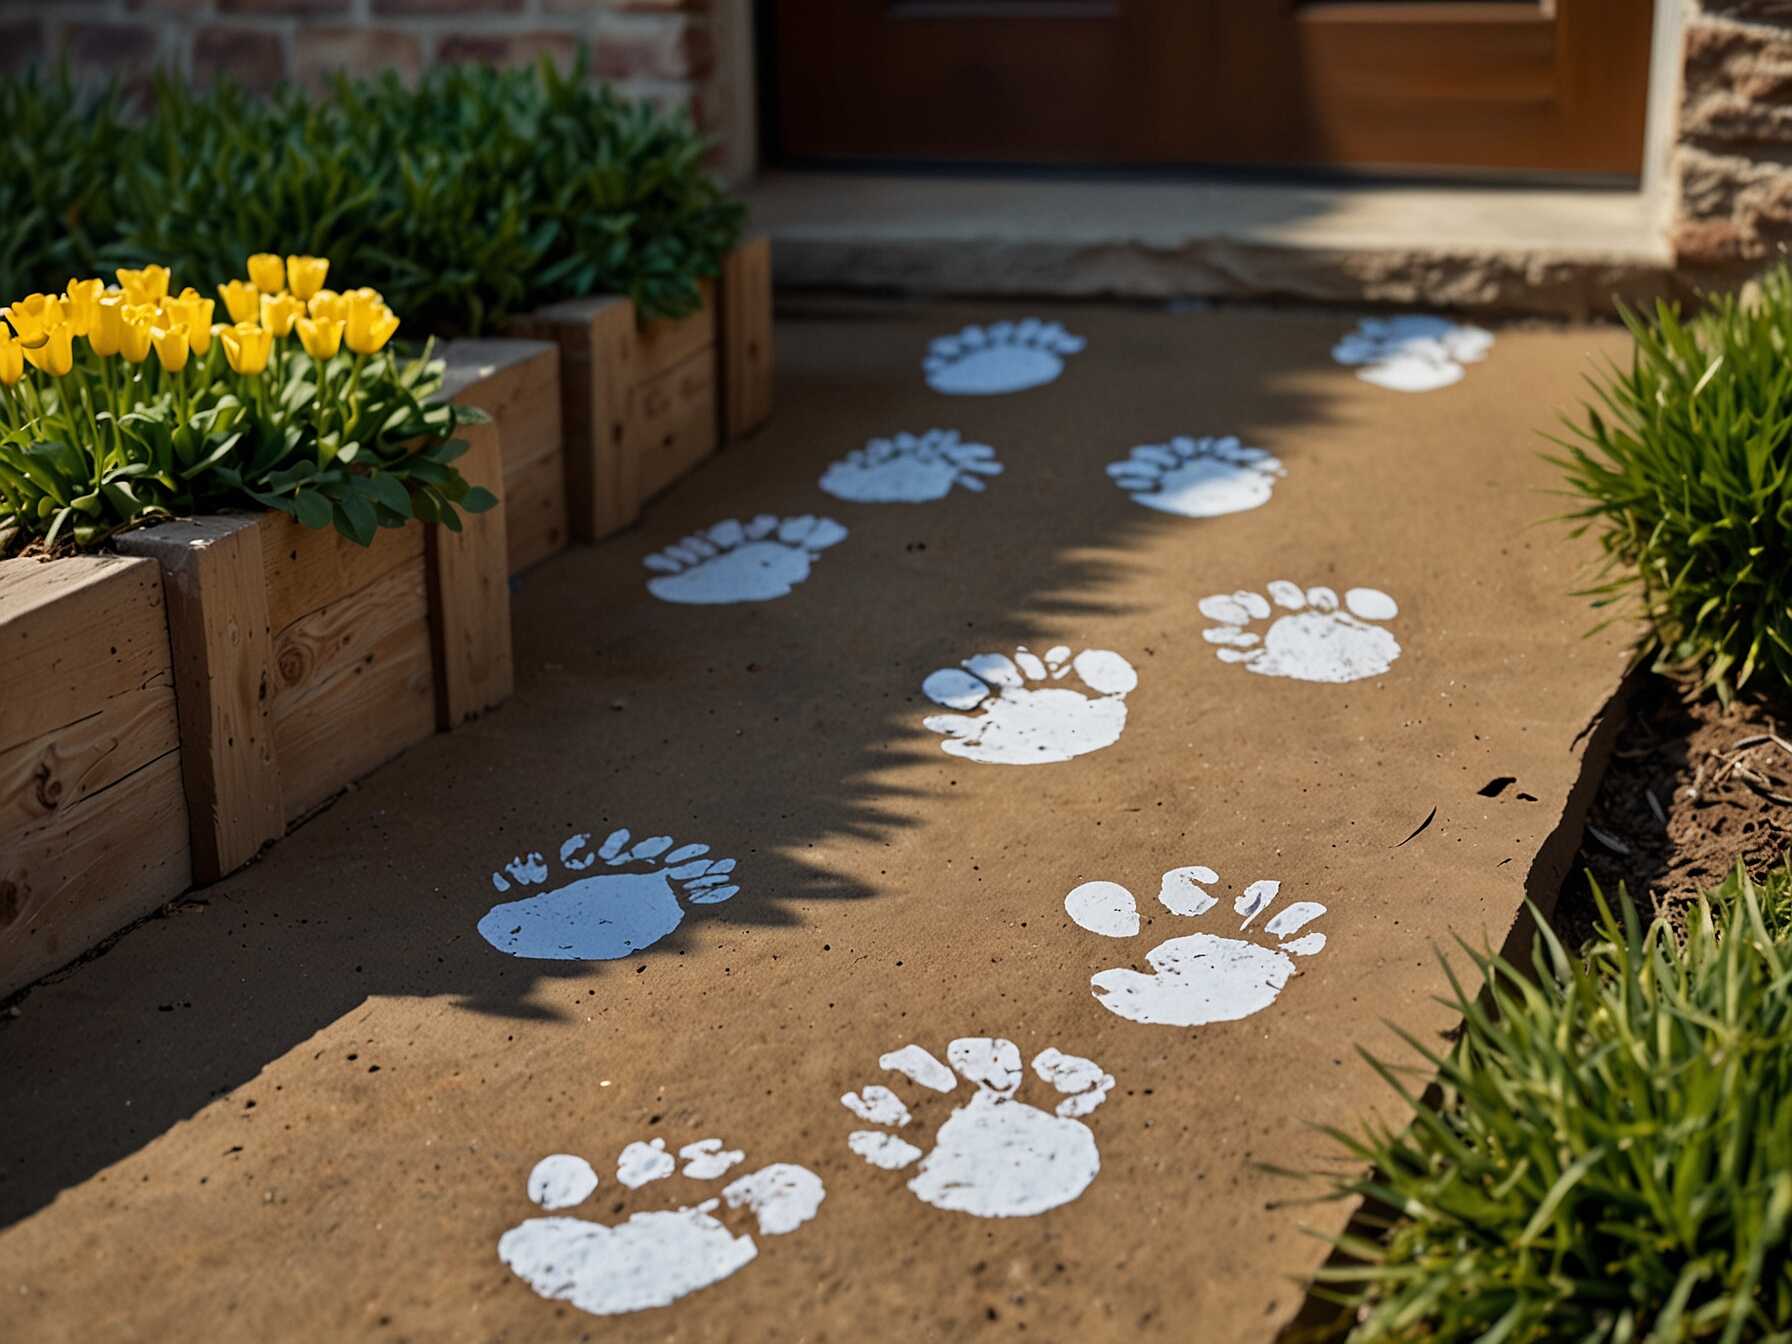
(1693, 787)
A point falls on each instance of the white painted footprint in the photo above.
(734, 561)
(1313, 641)
(1201, 977)
(1023, 720)
(658, 1256)
(609, 914)
(1198, 478)
(1412, 353)
(994, 1157)
(1002, 357)
(910, 469)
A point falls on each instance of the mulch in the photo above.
(1693, 787)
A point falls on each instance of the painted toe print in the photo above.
(994, 1156)
(655, 1257)
(1198, 478)
(734, 561)
(1200, 977)
(1024, 717)
(1412, 353)
(910, 469)
(1312, 637)
(1002, 357)
(635, 897)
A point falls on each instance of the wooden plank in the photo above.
(746, 338)
(674, 426)
(308, 567)
(667, 342)
(88, 869)
(356, 686)
(469, 594)
(517, 383)
(76, 633)
(217, 599)
(598, 353)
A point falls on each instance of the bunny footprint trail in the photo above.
(659, 1255)
(606, 914)
(1024, 717)
(1312, 639)
(1000, 358)
(1200, 977)
(994, 1156)
(1412, 353)
(1198, 478)
(911, 469)
(756, 561)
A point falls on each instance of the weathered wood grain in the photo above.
(673, 426)
(308, 567)
(746, 360)
(469, 594)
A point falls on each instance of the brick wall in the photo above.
(1733, 158)
(660, 49)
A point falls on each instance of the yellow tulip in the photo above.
(242, 300)
(56, 356)
(370, 325)
(82, 304)
(106, 336)
(306, 274)
(247, 346)
(138, 319)
(328, 303)
(12, 358)
(279, 311)
(369, 295)
(33, 316)
(146, 285)
(267, 272)
(195, 314)
(321, 336)
(172, 346)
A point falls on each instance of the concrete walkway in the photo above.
(309, 1106)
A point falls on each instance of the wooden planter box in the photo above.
(302, 661)
(517, 383)
(641, 405)
(93, 818)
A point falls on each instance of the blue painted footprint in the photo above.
(609, 914)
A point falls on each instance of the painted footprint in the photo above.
(655, 1257)
(1201, 977)
(1027, 724)
(908, 469)
(1412, 353)
(994, 1157)
(1197, 478)
(610, 914)
(1002, 357)
(734, 561)
(1314, 641)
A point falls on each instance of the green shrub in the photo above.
(1688, 478)
(476, 195)
(1610, 1154)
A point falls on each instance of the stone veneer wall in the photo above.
(659, 49)
(1733, 156)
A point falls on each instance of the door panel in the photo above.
(1495, 84)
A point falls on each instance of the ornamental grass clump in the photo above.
(1686, 467)
(125, 404)
(1609, 1155)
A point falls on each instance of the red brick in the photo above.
(302, 8)
(507, 50)
(168, 6)
(123, 48)
(386, 8)
(249, 57)
(673, 49)
(319, 53)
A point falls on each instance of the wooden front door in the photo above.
(1516, 85)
